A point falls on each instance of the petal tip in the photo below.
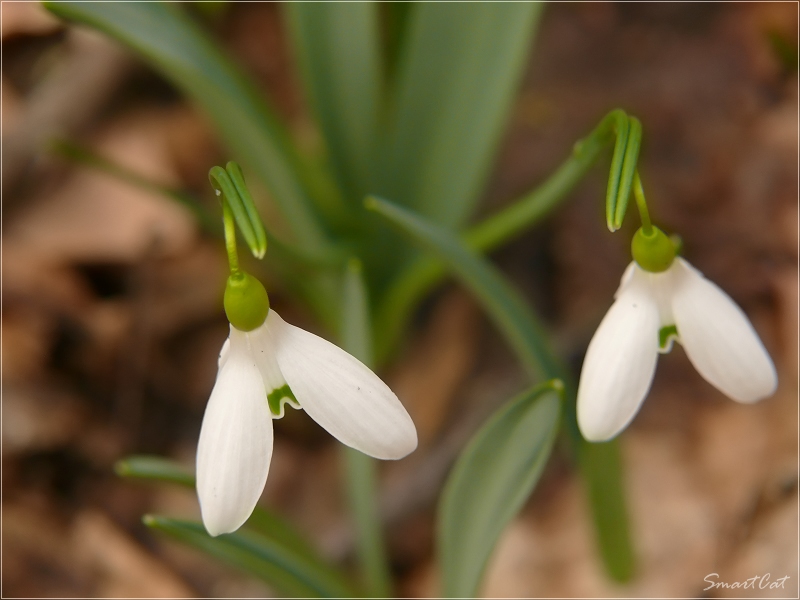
(216, 526)
(599, 430)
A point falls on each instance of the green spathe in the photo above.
(246, 301)
(653, 251)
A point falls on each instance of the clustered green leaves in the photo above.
(411, 100)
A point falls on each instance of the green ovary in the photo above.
(653, 251)
(246, 301)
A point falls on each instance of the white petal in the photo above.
(719, 339)
(619, 364)
(223, 353)
(341, 394)
(235, 446)
(274, 382)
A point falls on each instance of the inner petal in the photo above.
(279, 394)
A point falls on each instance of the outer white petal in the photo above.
(235, 446)
(341, 394)
(719, 339)
(223, 353)
(619, 363)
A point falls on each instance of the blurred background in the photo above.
(112, 309)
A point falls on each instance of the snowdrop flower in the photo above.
(663, 298)
(264, 365)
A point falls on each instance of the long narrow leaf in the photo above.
(338, 47)
(504, 305)
(459, 68)
(154, 468)
(174, 45)
(263, 521)
(493, 477)
(521, 329)
(601, 465)
(289, 572)
(361, 473)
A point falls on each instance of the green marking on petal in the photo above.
(666, 336)
(280, 396)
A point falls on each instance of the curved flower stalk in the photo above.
(662, 298)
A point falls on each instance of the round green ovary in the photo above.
(246, 301)
(653, 252)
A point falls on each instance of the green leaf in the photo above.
(493, 477)
(183, 53)
(395, 17)
(356, 335)
(601, 466)
(420, 275)
(154, 468)
(361, 475)
(521, 328)
(338, 48)
(504, 305)
(289, 572)
(459, 68)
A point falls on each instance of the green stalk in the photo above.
(361, 474)
(600, 464)
(362, 487)
(425, 272)
(641, 204)
(230, 238)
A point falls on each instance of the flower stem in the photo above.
(362, 487)
(422, 274)
(230, 237)
(641, 204)
(360, 470)
(600, 464)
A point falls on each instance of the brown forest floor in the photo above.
(112, 321)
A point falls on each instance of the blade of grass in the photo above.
(289, 572)
(263, 521)
(154, 468)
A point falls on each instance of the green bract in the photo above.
(653, 252)
(246, 301)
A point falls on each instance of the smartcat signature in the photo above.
(760, 582)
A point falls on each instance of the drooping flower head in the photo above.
(262, 368)
(663, 299)
(266, 364)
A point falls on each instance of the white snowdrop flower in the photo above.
(670, 300)
(261, 369)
